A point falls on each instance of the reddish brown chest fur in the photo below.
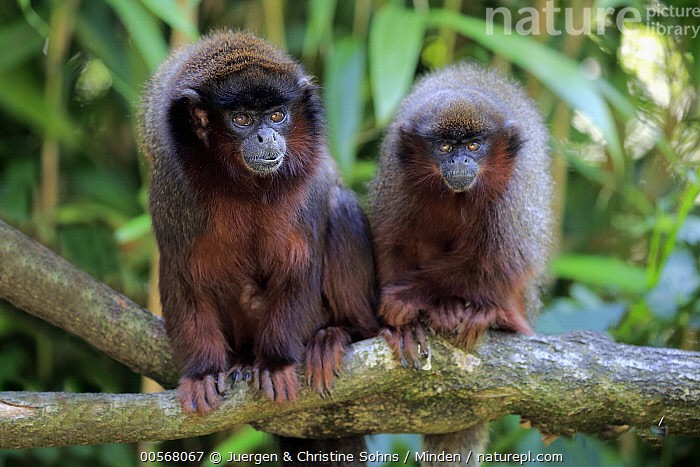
(450, 242)
(246, 246)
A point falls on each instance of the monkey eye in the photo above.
(445, 148)
(277, 116)
(242, 119)
(473, 146)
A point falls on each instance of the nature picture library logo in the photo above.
(531, 21)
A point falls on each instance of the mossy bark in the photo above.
(563, 384)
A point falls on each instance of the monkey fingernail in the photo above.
(221, 383)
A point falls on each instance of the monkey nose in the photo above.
(267, 137)
(458, 159)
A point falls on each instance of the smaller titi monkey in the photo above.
(460, 210)
(265, 258)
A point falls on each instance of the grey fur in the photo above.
(520, 221)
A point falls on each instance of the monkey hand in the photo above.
(478, 320)
(324, 356)
(396, 306)
(447, 316)
(240, 372)
(278, 384)
(201, 395)
(407, 343)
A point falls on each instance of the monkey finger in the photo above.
(419, 332)
(286, 383)
(395, 310)
(393, 340)
(324, 356)
(474, 327)
(407, 343)
(447, 315)
(211, 395)
(264, 384)
(201, 402)
(411, 346)
(221, 382)
(511, 320)
(237, 373)
(185, 395)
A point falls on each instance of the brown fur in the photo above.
(460, 262)
(254, 268)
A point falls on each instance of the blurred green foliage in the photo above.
(622, 104)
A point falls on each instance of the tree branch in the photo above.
(38, 281)
(575, 382)
(562, 384)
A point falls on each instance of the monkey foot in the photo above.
(324, 356)
(407, 342)
(478, 321)
(240, 373)
(394, 309)
(447, 316)
(201, 395)
(279, 384)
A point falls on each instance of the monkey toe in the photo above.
(474, 327)
(447, 316)
(278, 385)
(514, 322)
(324, 357)
(239, 373)
(263, 382)
(407, 343)
(286, 383)
(395, 310)
(199, 395)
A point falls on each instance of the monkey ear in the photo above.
(188, 107)
(311, 100)
(512, 137)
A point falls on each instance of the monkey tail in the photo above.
(349, 283)
(467, 443)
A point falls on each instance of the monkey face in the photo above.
(461, 140)
(240, 115)
(263, 144)
(245, 124)
(458, 162)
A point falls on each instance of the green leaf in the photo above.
(678, 284)
(168, 11)
(90, 247)
(584, 310)
(600, 271)
(133, 229)
(344, 79)
(395, 41)
(21, 96)
(98, 38)
(560, 73)
(83, 212)
(16, 187)
(143, 29)
(19, 42)
(112, 188)
(319, 26)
